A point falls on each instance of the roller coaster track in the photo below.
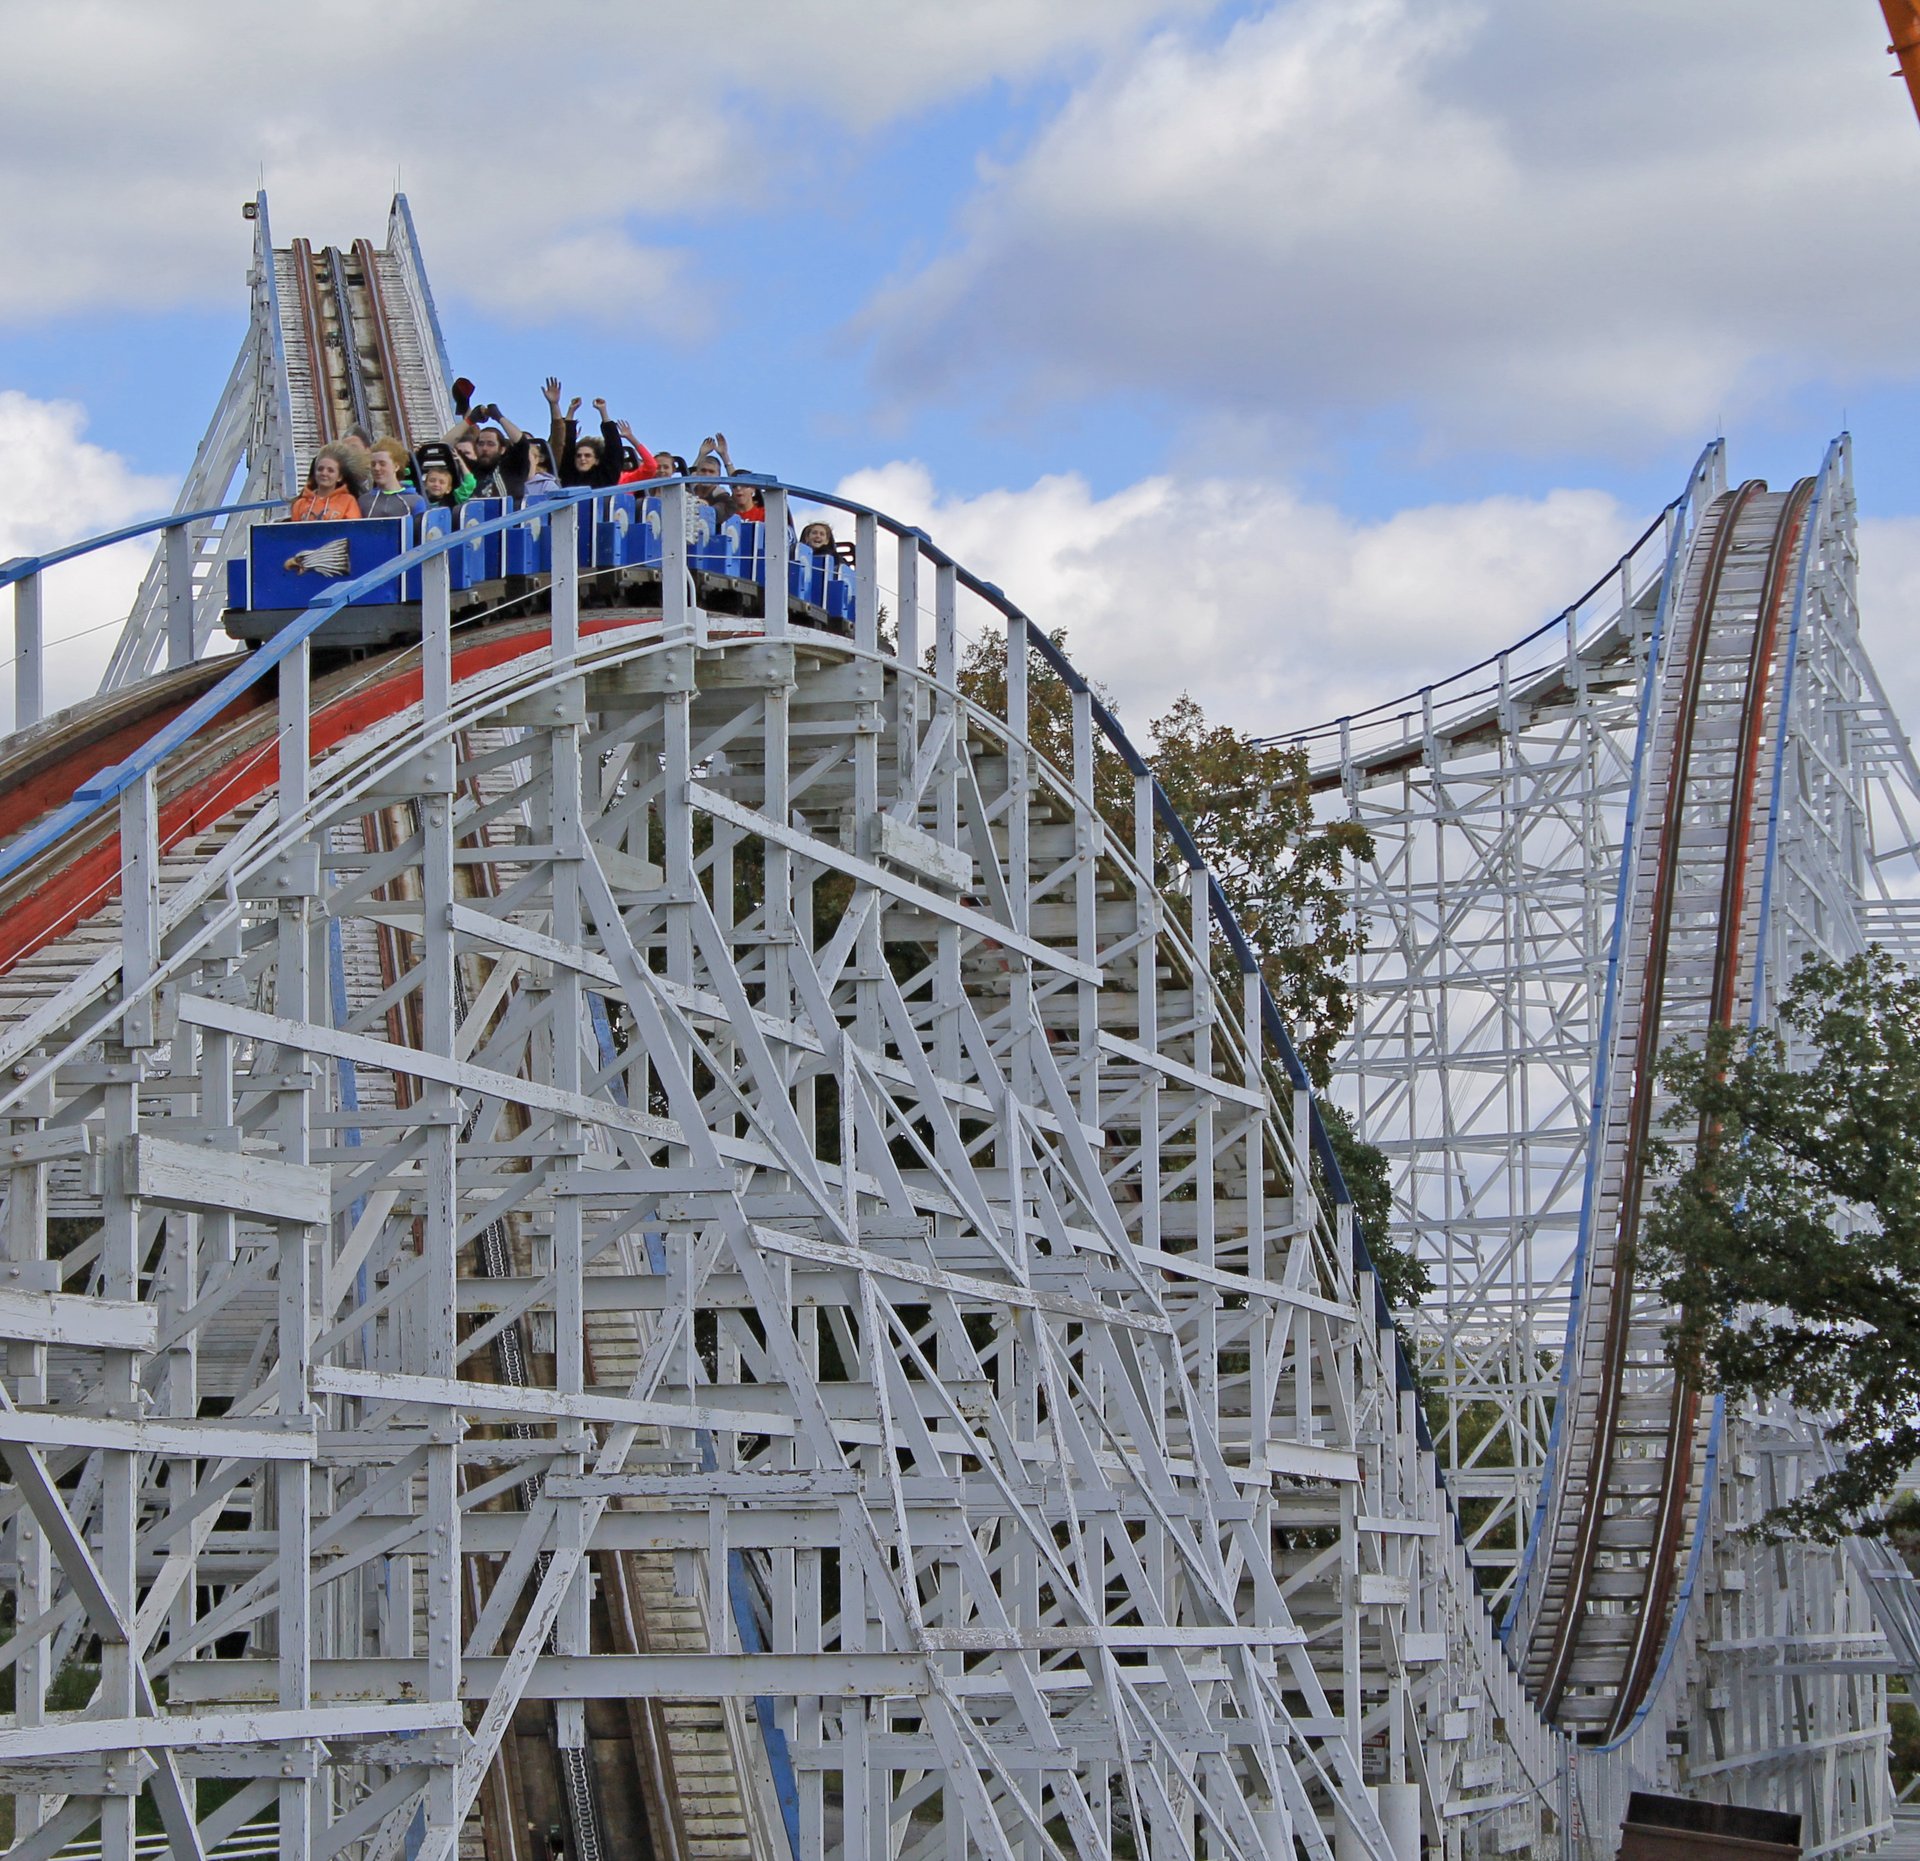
(338, 339)
(644, 1219)
(355, 361)
(848, 1394)
(1626, 828)
(1631, 1436)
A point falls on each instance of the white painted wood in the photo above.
(196, 1176)
(62, 1318)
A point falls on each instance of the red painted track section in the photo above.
(236, 762)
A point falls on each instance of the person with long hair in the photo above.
(330, 491)
(579, 458)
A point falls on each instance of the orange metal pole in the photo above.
(1903, 25)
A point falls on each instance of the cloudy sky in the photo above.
(1289, 353)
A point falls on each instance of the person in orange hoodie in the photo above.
(329, 491)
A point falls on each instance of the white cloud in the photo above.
(1274, 612)
(1890, 610)
(604, 278)
(143, 128)
(60, 489)
(1545, 225)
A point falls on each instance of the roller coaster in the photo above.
(633, 1229)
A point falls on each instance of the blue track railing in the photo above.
(1424, 698)
(20, 567)
(22, 574)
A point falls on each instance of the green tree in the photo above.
(1250, 811)
(1789, 1241)
(1903, 1748)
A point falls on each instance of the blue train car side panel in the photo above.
(528, 549)
(481, 558)
(289, 563)
(436, 521)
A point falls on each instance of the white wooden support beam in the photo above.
(195, 1176)
(611, 1676)
(450, 1394)
(295, 730)
(1019, 826)
(566, 831)
(422, 1064)
(677, 608)
(436, 640)
(263, 1726)
(67, 1318)
(432, 1351)
(946, 624)
(29, 666)
(53, 1144)
(866, 581)
(211, 1437)
(564, 593)
(774, 559)
(906, 624)
(140, 906)
(177, 554)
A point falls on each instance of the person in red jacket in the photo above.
(329, 491)
(646, 465)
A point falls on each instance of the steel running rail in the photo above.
(312, 326)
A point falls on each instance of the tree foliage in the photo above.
(1250, 811)
(1790, 1240)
